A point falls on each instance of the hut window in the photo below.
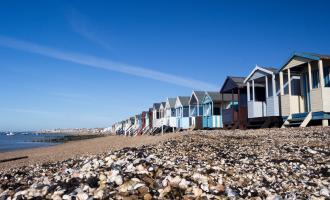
(327, 76)
(315, 75)
(216, 111)
(173, 112)
(200, 110)
(295, 86)
(186, 112)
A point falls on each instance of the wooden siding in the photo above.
(217, 122)
(272, 106)
(326, 99)
(183, 122)
(285, 105)
(295, 102)
(227, 116)
(256, 109)
(197, 122)
(316, 100)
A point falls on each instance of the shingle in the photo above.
(156, 106)
(217, 97)
(322, 56)
(163, 104)
(184, 100)
(171, 101)
(199, 95)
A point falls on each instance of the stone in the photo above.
(219, 164)
(184, 184)
(164, 192)
(93, 182)
(143, 190)
(324, 192)
(102, 178)
(118, 180)
(197, 192)
(175, 181)
(98, 194)
(82, 196)
(147, 197)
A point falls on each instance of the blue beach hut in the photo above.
(212, 104)
(182, 112)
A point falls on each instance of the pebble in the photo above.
(324, 192)
(267, 164)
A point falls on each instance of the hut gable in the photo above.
(196, 97)
(182, 101)
(259, 72)
(156, 106)
(300, 58)
(216, 97)
(232, 82)
(170, 103)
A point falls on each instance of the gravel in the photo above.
(254, 164)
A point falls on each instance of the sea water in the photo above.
(26, 140)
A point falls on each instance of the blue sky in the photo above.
(91, 63)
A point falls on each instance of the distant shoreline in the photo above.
(73, 132)
(32, 140)
(77, 148)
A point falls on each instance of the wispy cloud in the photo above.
(83, 26)
(102, 63)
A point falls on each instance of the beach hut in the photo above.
(196, 109)
(148, 121)
(129, 125)
(120, 128)
(162, 114)
(156, 117)
(305, 99)
(212, 104)
(182, 112)
(263, 101)
(144, 121)
(170, 116)
(137, 125)
(236, 115)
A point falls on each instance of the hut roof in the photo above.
(232, 82)
(171, 102)
(309, 56)
(156, 106)
(184, 101)
(217, 96)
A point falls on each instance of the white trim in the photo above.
(255, 69)
(266, 85)
(177, 103)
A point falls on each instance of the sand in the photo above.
(78, 148)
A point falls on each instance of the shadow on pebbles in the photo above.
(259, 164)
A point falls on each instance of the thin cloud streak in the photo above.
(82, 26)
(101, 63)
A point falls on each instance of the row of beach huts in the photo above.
(295, 95)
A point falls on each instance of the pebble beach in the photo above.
(291, 163)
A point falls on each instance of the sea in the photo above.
(10, 141)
